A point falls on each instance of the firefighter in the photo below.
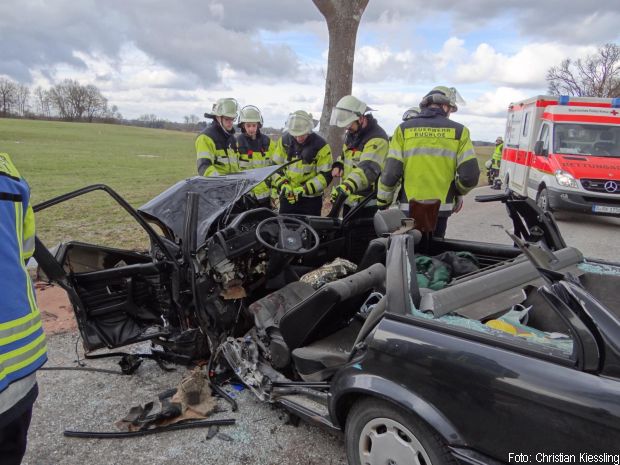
(496, 160)
(432, 156)
(22, 342)
(363, 154)
(411, 112)
(255, 149)
(216, 148)
(301, 185)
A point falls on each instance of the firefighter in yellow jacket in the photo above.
(363, 154)
(432, 156)
(216, 147)
(22, 342)
(255, 149)
(301, 184)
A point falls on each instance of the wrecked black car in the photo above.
(342, 322)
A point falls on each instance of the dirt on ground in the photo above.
(56, 310)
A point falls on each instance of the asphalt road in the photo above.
(594, 236)
(94, 401)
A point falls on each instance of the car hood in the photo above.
(217, 194)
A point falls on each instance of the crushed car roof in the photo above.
(217, 194)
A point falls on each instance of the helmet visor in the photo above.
(342, 118)
(227, 108)
(298, 125)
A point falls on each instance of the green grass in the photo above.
(138, 163)
(58, 157)
(483, 154)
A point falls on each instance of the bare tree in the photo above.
(22, 94)
(95, 104)
(75, 101)
(7, 96)
(597, 75)
(343, 19)
(42, 102)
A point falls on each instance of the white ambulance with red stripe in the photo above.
(564, 152)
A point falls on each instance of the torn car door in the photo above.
(119, 296)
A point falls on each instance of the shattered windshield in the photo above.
(218, 195)
(586, 139)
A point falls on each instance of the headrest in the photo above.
(388, 221)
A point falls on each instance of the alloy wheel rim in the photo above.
(542, 202)
(384, 441)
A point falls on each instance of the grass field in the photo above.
(139, 163)
(58, 157)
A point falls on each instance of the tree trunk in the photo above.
(343, 19)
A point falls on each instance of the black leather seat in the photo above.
(385, 222)
(330, 308)
(320, 360)
(297, 314)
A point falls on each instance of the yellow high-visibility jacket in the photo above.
(362, 159)
(433, 157)
(312, 168)
(216, 151)
(256, 153)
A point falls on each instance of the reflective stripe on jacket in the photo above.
(216, 151)
(256, 153)
(22, 342)
(312, 170)
(362, 159)
(434, 158)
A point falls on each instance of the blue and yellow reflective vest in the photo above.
(22, 342)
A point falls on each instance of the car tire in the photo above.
(542, 200)
(397, 437)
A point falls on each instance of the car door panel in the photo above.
(538, 404)
(122, 295)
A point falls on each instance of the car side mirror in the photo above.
(539, 149)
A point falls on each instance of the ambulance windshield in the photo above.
(586, 139)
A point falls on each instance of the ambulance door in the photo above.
(511, 146)
(523, 157)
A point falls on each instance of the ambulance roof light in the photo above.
(563, 100)
(615, 102)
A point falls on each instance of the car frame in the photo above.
(441, 390)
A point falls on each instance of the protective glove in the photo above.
(341, 188)
(279, 183)
(285, 190)
(295, 194)
(458, 204)
(382, 204)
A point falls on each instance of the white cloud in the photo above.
(526, 68)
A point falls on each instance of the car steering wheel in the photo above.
(289, 235)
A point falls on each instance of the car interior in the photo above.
(316, 329)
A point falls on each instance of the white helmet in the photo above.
(442, 95)
(347, 110)
(227, 107)
(250, 114)
(411, 113)
(300, 123)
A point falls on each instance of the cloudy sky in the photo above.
(176, 58)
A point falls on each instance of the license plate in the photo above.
(605, 209)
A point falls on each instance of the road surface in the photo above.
(596, 237)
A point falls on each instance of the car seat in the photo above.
(297, 314)
(385, 222)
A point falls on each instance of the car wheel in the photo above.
(543, 200)
(378, 433)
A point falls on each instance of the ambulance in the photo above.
(564, 152)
